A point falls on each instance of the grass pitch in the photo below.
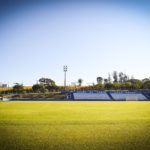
(74, 125)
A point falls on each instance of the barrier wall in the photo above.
(97, 96)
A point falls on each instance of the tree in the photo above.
(99, 80)
(133, 81)
(146, 84)
(18, 88)
(136, 84)
(121, 77)
(38, 88)
(145, 79)
(99, 86)
(115, 76)
(80, 81)
(109, 86)
(105, 81)
(116, 85)
(126, 85)
(48, 83)
(109, 78)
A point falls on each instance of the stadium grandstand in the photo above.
(128, 96)
(109, 96)
(91, 96)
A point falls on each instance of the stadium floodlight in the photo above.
(65, 70)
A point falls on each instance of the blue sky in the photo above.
(92, 38)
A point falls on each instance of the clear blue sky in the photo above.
(92, 38)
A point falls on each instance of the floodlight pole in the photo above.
(65, 70)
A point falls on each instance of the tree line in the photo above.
(114, 81)
(121, 81)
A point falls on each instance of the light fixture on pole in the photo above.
(65, 70)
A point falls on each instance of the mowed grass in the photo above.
(74, 125)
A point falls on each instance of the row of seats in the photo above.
(124, 96)
(103, 96)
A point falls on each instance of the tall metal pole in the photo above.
(65, 70)
(65, 79)
(8, 88)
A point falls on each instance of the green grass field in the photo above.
(74, 125)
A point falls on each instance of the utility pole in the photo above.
(8, 89)
(65, 70)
